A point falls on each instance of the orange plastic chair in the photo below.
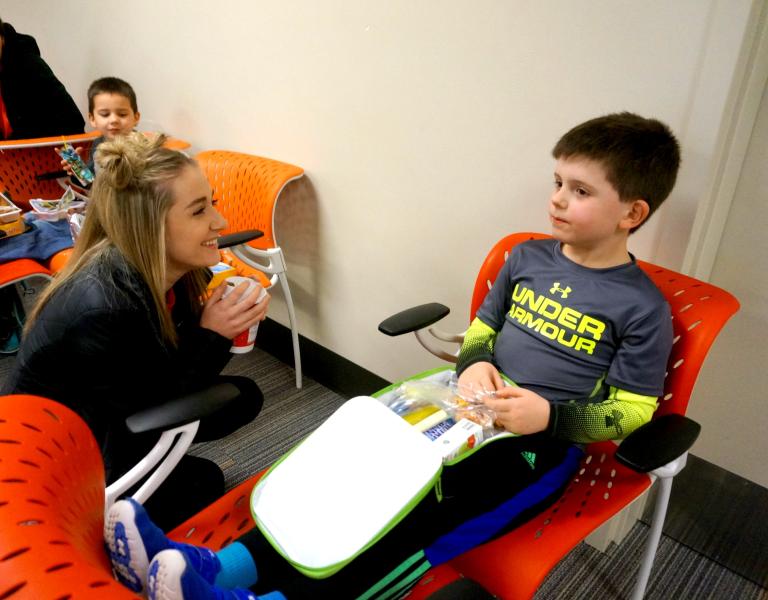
(247, 188)
(51, 505)
(22, 160)
(514, 565)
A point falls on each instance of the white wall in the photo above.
(730, 392)
(424, 127)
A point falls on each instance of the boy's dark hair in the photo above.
(111, 85)
(640, 156)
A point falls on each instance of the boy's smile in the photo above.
(113, 115)
(588, 217)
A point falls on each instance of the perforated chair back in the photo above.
(22, 160)
(699, 312)
(514, 565)
(492, 264)
(51, 505)
(247, 188)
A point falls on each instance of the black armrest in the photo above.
(235, 239)
(412, 319)
(657, 443)
(183, 410)
(50, 175)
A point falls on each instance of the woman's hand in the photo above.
(519, 410)
(232, 315)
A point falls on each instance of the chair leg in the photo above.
(178, 447)
(652, 544)
(294, 327)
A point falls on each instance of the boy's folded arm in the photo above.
(613, 418)
(479, 341)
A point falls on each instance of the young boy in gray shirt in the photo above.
(573, 321)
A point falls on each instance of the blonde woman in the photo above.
(123, 327)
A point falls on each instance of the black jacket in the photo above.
(96, 347)
(36, 102)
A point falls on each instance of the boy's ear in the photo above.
(91, 120)
(637, 212)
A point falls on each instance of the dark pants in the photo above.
(197, 482)
(471, 488)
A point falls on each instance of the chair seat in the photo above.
(223, 521)
(19, 269)
(59, 260)
(514, 565)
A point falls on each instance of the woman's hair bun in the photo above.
(122, 161)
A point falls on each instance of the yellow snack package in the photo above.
(220, 272)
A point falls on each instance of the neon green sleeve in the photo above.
(614, 418)
(478, 345)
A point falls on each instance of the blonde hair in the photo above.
(129, 201)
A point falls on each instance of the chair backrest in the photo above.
(22, 160)
(699, 312)
(51, 505)
(247, 188)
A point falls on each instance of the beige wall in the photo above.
(730, 393)
(424, 127)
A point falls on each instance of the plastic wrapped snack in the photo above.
(422, 397)
(79, 168)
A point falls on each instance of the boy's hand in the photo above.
(66, 166)
(519, 410)
(230, 316)
(481, 377)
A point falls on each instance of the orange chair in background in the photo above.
(22, 161)
(247, 188)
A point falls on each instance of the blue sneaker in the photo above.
(132, 541)
(171, 577)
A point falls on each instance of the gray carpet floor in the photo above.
(289, 414)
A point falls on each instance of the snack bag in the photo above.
(79, 168)
(423, 400)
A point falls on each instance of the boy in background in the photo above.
(112, 110)
(573, 321)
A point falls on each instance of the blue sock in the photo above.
(238, 568)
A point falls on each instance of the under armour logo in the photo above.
(563, 291)
(614, 420)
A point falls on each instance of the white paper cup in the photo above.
(243, 342)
